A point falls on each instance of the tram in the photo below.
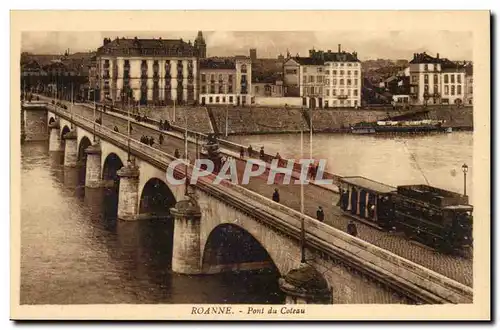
(436, 217)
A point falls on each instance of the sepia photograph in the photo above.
(290, 172)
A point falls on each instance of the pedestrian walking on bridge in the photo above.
(276, 195)
(250, 149)
(115, 129)
(177, 153)
(262, 154)
(351, 229)
(242, 152)
(160, 139)
(320, 214)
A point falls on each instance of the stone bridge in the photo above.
(228, 228)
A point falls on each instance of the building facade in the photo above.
(325, 79)
(434, 80)
(469, 85)
(225, 81)
(149, 71)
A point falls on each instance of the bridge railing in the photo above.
(235, 147)
(382, 264)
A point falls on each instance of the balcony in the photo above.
(342, 97)
(436, 94)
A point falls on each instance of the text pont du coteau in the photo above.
(228, 310)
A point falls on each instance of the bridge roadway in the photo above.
(455, 267)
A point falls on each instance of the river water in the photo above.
(435, 159)
(73, 251)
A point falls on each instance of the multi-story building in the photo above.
(267, 86)
(434, 80)
(469, 84)
(267, 76)
(325, 79)
(149, 71)
(225, 81)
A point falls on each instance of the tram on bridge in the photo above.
(436, 217)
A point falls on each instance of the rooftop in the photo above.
(136, 46)
(218, 63)
(446, 64)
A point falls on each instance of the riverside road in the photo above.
(458, 268)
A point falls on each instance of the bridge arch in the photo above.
(64, 130)
(112, 163)
(84, 144)
(156, 198)
(231, 247)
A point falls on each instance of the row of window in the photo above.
(219, 98)
(327, 72)
(228, 77)
(320, 80)
(447, 90)
(341, 92)
(220, 89)
(448, 78)
(342, 64)
(342, 72)
(344, 103)
(319, 91)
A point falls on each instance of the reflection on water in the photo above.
(395, 160)
(74, 251)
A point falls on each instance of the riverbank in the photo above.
(260, 120)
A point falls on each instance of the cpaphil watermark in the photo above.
(304, 171)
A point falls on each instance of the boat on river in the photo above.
(414, 126)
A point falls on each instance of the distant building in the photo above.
(325, 79)
(149, 71)
(225, 81)
(435, 80)
(267, 76)
(469, 85)
(267, 86)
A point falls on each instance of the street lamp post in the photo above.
(465, 169)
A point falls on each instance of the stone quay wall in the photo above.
(274, 120)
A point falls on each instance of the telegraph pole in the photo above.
(94, 114)
(186, 151)
(128, 132)
(311, 132)
(302, 219)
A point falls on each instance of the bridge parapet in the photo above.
(410, 279)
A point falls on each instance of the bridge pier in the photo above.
(186, 254)
(34, 118)
(54, 139)
(93, 166)
(305, 285)
(70, 149)
(128, 192)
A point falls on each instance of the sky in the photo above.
(454, 45)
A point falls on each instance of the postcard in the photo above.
(250, 165)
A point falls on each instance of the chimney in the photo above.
(253, 54)
(437, 56)
(339, 47)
